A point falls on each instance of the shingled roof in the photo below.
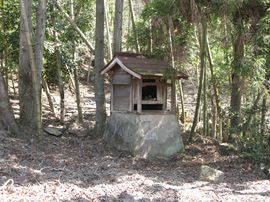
(139, 65)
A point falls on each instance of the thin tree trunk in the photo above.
(38, 58)
(246, 125)
(7, 120)
(205, 123)
(213, 81)
(202, 43)
(48, 94)
(89, 69)
(99, 64)
(76, 77)
(178, 83)
(72, 86)
(78, 95)
(183, 114)
(174, 105)
(59, 71)
(3, 40)
(60, 84)
(214, 118)
(13, 84)
(134, 25)
(237, 79)
(117, 38)
(151, 36)
(108, 31)
(4, 52)
(263, 114)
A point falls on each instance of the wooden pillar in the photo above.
(165, 95)
(139, 95)
(173, 96)
(112, 89)
(131, 97)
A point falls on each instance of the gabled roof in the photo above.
(139, 65)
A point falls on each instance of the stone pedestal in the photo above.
(144, 135)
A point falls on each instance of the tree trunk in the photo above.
(134, 25)
(76, 77)
(108, 30)
(183, 114)
(178, 83)
(29, 98)
(117, 38)
(213, 81)
(7, 120)
(252, 114)
(263, 114)
(237, 78)
(49, 96)
(59, 71)
(3, 40)
(99, 64)
(31, 65)
(4, 52)
(60, 84)
(151, 36)
(25, 81)
(205, 122)
(214, 119)
(78, 95)
(38, 58)
(202, 42)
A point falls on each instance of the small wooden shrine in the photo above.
(141, 121)
(140, 84)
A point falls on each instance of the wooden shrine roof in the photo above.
(140, 65)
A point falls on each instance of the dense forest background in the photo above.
(51, 52)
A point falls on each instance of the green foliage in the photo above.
(66, 36)
(158, 8)
(263, 33)
(9, 36)
(256, 146)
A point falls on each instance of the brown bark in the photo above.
(215, 90)
(49, 96)
(7, 120)
(237, 78)
(99, 64)
(60, 84)
(106, 10)
(178, 83)
(263, 114)
(202, 42)
(76, 77)
(205, 121)
(134, 25)
(117, 38)
(25, 80)
(31, 65)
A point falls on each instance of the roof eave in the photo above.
(121, 64)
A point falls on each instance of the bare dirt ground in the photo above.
(71, 168)
(78, 167)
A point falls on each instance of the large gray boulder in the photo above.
(144, 135)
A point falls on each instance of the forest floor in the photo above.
(78, 167)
